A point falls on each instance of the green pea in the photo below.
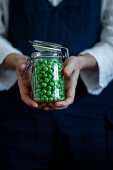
(42, 99)
(51, 84)
(45, 69)
(61, 82)
(54, 87)
(44, 84)
(55, 99)
(44, 75)
(44, 91)
(48, 93)
(46, 99)
(40, 76)
(49, 88)
(52, 95)
(60, 77)
(58, 99)
(62, 98)
(45, 61)
(50, 99)
(41, 93)
(46, 80)
(61, 93)
(43, 72)
(61, 86)
(42, 65)
(49, 76)
(60, 69)
(50, 62)
(44, 96)
(49, 66)
(50, 71)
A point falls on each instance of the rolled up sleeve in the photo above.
(7, 76)
(96, 81)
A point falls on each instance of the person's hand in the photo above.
(24, 83)
(72, 67)
(71, 73)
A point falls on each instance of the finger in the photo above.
(29, 101)
(25, 76)
(67, 102)
(54, 108)
(51, 104)
(70, 65)
(41, 105)
(70, 90)
(22, 63)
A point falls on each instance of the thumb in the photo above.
(70, 65)
(22, 66)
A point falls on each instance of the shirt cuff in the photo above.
(96, 81)
(7, 76)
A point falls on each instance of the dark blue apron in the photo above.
(74, 138)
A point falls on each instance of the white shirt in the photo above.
(95, 81)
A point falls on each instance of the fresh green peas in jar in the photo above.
(47, 77)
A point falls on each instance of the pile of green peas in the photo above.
(48, 85)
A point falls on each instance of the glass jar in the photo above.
(47, 72)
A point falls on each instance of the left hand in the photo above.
(72, 67)
(71, 73)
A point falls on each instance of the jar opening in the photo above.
(46, 54)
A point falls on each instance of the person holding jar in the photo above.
(79, 136)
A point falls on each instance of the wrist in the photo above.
(11, 60)
(87, 62)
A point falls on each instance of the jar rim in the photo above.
(46, 54)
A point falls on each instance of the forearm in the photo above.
(11, 60)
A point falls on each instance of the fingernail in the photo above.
(58, 104)
(35, 105)
(22, 66)
(68, 72)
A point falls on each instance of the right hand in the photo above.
(24, 83)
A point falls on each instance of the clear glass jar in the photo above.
(47, 72)
(47, 77)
